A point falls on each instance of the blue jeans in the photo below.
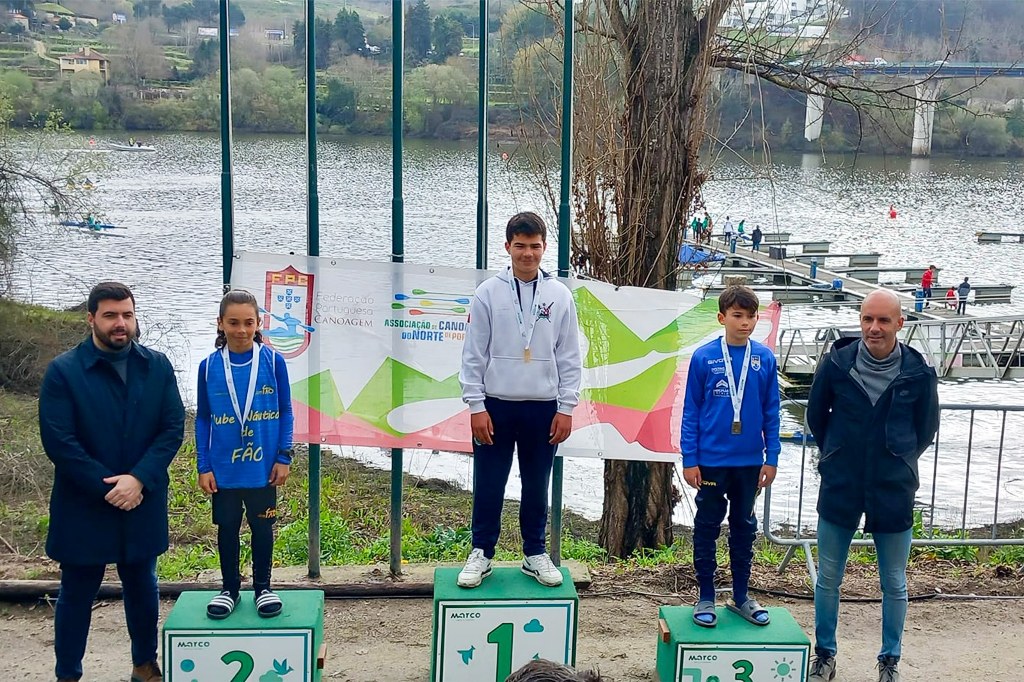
(78, 587)
(833, 549)
(523, 426)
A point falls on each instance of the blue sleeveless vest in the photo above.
(237, 460)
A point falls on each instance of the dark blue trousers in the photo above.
(523, 426)
(735, 489)
(78, 587)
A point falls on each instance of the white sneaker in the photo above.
(541, 568)
(477, 568)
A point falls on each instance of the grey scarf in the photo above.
(875, 375)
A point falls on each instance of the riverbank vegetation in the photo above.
(163, 75)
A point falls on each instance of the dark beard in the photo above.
(110, 343)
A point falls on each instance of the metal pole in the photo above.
(564, 226)
(397, 247)
(481, 172)
(227, 199)
(313, 249)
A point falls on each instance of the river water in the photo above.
(170, 255)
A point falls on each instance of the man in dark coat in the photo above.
(873, 409)
(111, 420)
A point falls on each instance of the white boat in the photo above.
(129, 148)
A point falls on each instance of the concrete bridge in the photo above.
(928, 81)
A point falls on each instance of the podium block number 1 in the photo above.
(502, 637)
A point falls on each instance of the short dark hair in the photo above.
(108, 291)
(738, 296)
(547, 671)
(527, 224)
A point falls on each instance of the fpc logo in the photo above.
(288, 311)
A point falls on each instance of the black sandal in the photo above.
(268, 604)
(221, 606)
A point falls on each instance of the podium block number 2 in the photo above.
(246, 667)
(502, 637)
(744, 669)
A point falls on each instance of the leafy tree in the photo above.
(205, 59)
(417, 30)
(349, 31)
(338, 105)
(324, 32)
(65, 24)
(143, 9)
(1015, 122)
(447, 36)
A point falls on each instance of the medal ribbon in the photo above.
(517, 305)
(251, 394)
(736, 393)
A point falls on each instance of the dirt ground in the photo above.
(947, 640)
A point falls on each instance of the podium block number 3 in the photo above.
(502, 637)
(744, 669)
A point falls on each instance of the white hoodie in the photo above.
(492, 358)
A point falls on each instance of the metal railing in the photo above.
(968, 347)
(950, 454)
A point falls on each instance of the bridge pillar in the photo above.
(924, 116)
(815, 112)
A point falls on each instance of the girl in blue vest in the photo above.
(244, 446)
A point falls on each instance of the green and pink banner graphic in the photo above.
(374, 351)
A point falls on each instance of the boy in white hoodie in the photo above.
(521, 370)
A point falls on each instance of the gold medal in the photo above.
(736, 428)
(526, 355)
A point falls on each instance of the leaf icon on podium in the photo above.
(467, 654)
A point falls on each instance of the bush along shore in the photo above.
(355, 506)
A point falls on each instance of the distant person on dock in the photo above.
(951, 298)
(892, 212)
(520, 377)
(962, 292)
(729, 232)
(873, 409)
(694, 229)
(927, 280)
(755, 238)
(730, 447)
(706, 228)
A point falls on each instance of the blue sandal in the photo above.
(752, 612)
(706, 609)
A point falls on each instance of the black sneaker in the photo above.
(823, 669)
(887, 671)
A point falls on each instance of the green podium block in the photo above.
(244, 647)
(483, 634)
(733, 651)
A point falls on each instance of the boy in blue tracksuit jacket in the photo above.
(730, 446)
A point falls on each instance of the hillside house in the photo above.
(86, 59)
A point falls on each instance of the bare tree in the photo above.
(646, 74)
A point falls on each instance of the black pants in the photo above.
(524, 426)
(78, 588)
(734, 488)
(260, 511)
(961, 306)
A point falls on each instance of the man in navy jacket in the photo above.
(111, 420)
(873, 409)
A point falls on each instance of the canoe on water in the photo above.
(97, 226)
(97, 233)
(129, 148)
